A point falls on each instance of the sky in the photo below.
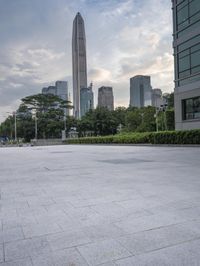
(124, 38)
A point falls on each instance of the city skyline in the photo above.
(36, 46)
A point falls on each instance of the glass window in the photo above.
(184, 74)
(195, 59)
(195, 70)
(184, 63)
(191, 108)
(189, 43)
(194, 7)
(184, 53)
(182, 14)
(195, 48)
(182, 4)
(188, 29)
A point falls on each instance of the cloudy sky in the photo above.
(124, 38)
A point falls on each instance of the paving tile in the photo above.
(67, 239)
(180, 255)
(24, 248)
(11, 235)
(66, 257)
(104, 231)
(40, 229)
(130, 225)
(1, 253)
(23, 262)
(159, 238)
(102, 252)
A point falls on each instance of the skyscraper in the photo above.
(156, 97)
(86, 100)
(106, 98)
(186, 18)
(140, 91)
(61, 90)
(78, 61)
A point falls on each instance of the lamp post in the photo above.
(15, 122)
(34, 115)
(15, 117)
(156, 117)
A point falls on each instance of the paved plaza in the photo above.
(100, 205)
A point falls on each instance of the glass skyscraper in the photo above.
(186, 33)
(86, 100)
(79, 61)
(140, 91)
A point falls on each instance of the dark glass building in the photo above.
(86, 100)
(186, 33)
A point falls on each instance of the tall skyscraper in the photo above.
(140, 91)
(79, 61)
(186, 20)
(86, 100)
(106, 98)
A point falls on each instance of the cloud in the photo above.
(99, 75)
(124, 38)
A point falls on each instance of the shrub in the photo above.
(163, 137)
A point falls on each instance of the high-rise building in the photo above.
(78, 61)
(86, 100)
(106, 98)
(140, 91)
(60, 89)
(186, 26)
(156, 97)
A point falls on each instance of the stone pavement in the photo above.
(100, 205)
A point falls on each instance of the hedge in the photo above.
(163, 137)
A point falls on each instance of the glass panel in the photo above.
(195, 59)
(189, 105)
(184, 74)
(189, 43)
(182, 14)
(182, 4)
(179, 1)
(189, 29)
(195, 48)
(184, 53)
(194, 7)
(184, 63)
(195, 70)
(183, 25)
(197, 104)
(195, 18)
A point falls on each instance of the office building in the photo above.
(156, 97)
(106, 98)
(186, 44)
(78, 61)
(86, 100)
(60, 89)
(140, 91)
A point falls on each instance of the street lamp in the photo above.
(34, 115)
(15, 122)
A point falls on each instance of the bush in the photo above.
(163, 137)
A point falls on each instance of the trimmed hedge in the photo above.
(163, 137)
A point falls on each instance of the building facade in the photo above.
(106, 98)
(186, 44)
(156, 98)
(86, 100)
(140, 91)
(79, 61)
